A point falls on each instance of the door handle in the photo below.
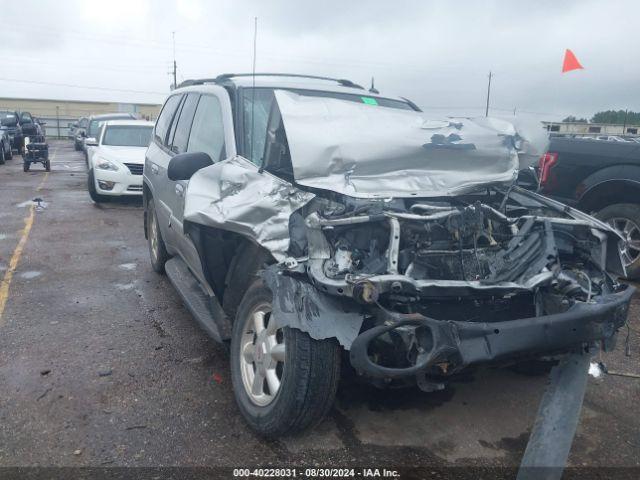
(154, 168)
(179, 190)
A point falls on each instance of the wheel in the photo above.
(157, 250)
(625, 218)
(2, 155)
(26, 166)
(283, 380)
(76, 146)
(91, 186)
(47, 165)
(10, 154)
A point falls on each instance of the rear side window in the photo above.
(183, 127)
(207, 132)
(164, 120)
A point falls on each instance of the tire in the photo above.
(2, 155)
(47, 165)
(307, 377)
(625, 217)
(25, 166)
(157, 250)
(10, 154)
(91, 186)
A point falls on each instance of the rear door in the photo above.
(177, 141)
(156, 163)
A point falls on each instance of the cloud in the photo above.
(436, 53)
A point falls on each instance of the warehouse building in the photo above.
(58, 114)
(582, 128)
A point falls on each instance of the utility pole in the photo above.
(175, 77)
(58, 120)
(486, 112)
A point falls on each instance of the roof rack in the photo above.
(226, 76)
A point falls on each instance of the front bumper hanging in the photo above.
(456, 344)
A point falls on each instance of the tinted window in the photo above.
(8, 119)
(127, 136)
(207, 132)
(164, 120)
(181, 135)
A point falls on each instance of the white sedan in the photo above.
(115, 168)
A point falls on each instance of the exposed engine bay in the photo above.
(411, 267)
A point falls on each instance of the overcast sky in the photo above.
(438, 53)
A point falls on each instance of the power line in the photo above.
(69, 85)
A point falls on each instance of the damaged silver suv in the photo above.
(310, 222)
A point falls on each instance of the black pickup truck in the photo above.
(600, 177)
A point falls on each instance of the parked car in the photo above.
(308, 222)
(601, 178)
(115, 168)
(11, 120)
(93, 130)
(80, 133)
(5, 145)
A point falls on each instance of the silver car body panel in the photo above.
(368, 151)
(235, 196)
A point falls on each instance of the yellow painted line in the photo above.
(17, 253)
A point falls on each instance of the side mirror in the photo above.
(91, 142)
(184, 165)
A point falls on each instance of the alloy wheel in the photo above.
(262, 356)
(629, 250)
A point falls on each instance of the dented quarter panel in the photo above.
(233, 195)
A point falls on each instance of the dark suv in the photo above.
(11, 121)
(309, 222)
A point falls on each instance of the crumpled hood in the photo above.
(368, 151)
(122, 154)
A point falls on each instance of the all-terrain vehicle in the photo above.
(36, 150)
(307, 222)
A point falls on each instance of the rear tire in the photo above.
(157, 250)
(47, 165)
(93, 193)
(303, 373)
(2, 155)
(625, 217)
(26, 166)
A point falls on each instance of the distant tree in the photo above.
(616, 117)
(572, 119)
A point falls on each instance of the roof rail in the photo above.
(226, 76)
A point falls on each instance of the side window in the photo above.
(207, 132)
(181, 136)
(164, 120)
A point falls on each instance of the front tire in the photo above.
(283, 380)
(625, 218)
(157, 250)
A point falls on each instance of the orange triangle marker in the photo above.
(570, 62)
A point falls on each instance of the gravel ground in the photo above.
(101, 365)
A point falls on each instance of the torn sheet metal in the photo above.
(369, 151)
(234, 196)
(299, 305)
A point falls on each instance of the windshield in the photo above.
(95, 124)
(127, 136)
